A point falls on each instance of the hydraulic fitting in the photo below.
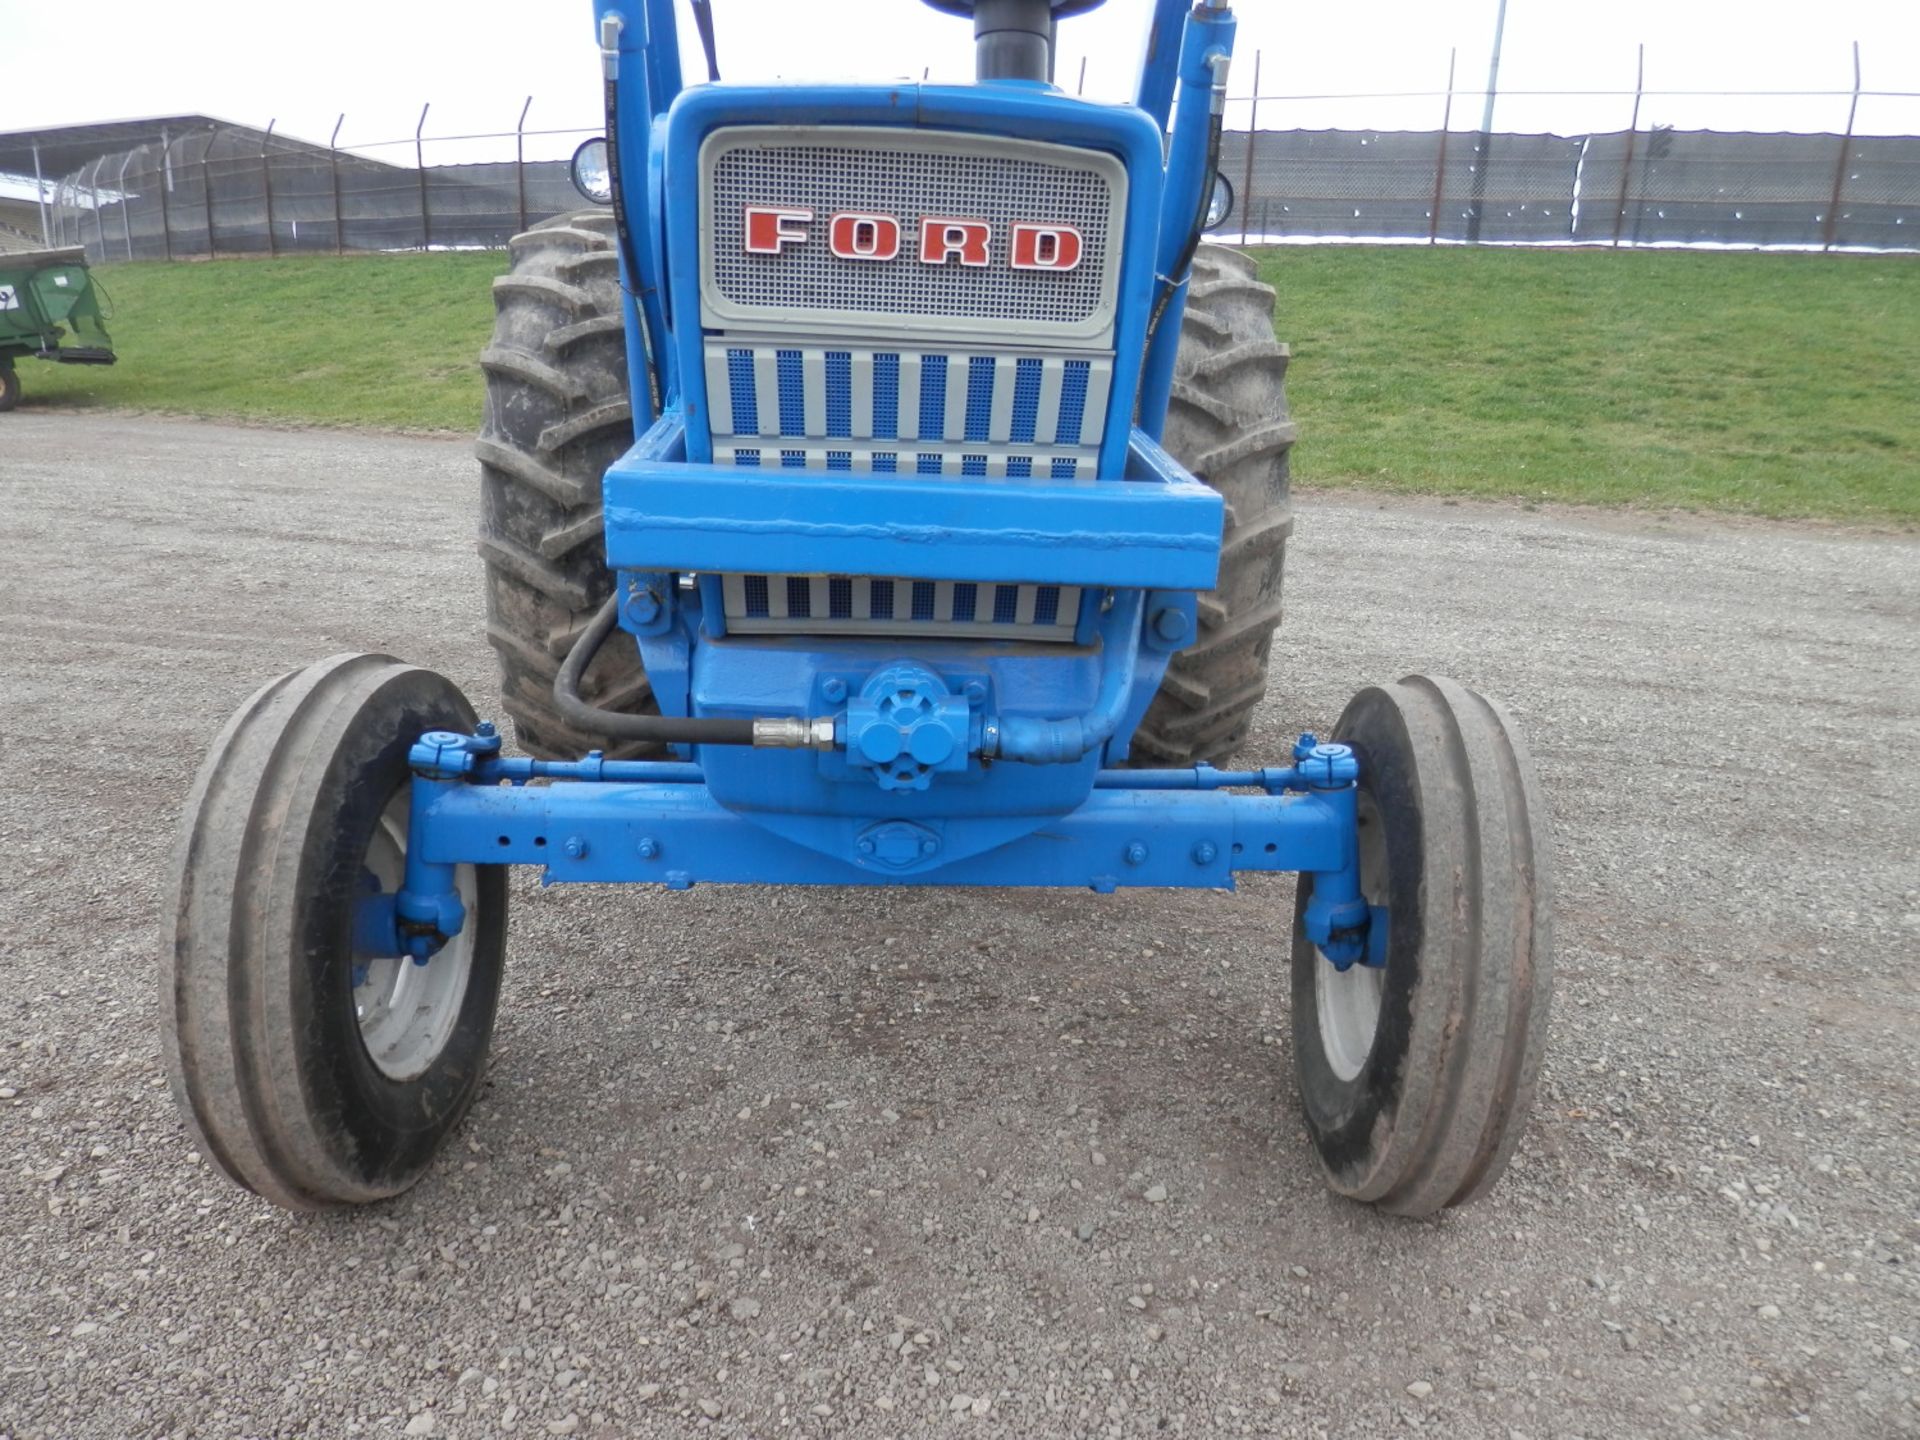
(905, 725)
(794, 733)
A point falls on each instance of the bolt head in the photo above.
(1136, 853)
(835, 689)
(1170, 624)
(1204, 853)
(649, 848)
(976, 692)
(576, 847)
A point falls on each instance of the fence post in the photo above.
(99, 223)
(1253, 130)
(1633, 135)
(333, 164)
(1846, 152)
(1440, 160)
(420, 164)
(520, 164)
(166, 185)
(206, 188)
(1486, 129)
(40, 194)
(126, 204)
(266, 186)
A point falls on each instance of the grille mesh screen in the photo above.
(862, 605)
(828, 178)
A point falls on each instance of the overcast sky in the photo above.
(476, 60)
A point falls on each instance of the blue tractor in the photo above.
(889, 489)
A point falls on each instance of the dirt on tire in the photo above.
(1228, 423)
(557, 416)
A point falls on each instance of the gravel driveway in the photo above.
(863, 1163)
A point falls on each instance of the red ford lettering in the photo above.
(942, 238)
(870, 235)
(857, 235)
(1045, 247)
(771, 228)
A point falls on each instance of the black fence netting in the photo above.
(210, 194)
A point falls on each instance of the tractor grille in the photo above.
(910, 175)
(870, 410)
(860, 605)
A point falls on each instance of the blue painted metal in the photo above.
(1205, 51)
(616, 821)
(1337, 916)
(675, 832)
(666, 513)
(1065, 739)
(1005, 109)
(906, 727)
(1160, 67)
(992, 760)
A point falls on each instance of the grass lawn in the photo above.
(1773, 384)
(388, 342)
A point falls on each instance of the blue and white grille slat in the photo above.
(769, 396)
(861, 605)
(864, 457)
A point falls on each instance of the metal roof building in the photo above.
(38, 159)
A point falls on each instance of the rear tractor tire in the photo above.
(557, 416)
(9, 387)
(1228, 423)
(1417, 1076)
(307, 1072)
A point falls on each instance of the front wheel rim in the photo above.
(405, 1012)
(1347, 1002)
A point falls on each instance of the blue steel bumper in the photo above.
(1156, 528)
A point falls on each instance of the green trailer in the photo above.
(49, 309)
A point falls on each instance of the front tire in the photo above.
(309, 1074)
(1416, 1079)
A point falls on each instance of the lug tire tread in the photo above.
(558, 413)
(1228, 423)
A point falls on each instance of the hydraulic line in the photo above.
(703, 22)
(623, 237)
(786, 732)
(1177, 277)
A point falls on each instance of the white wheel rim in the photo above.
(1348, 1001)
(407, 1012)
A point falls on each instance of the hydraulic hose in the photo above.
(703, 22)
(623, 236)
(1177, 277)
(1064, 741)
(783, 731)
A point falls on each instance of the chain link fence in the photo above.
(1656, 187)
(214, 193)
